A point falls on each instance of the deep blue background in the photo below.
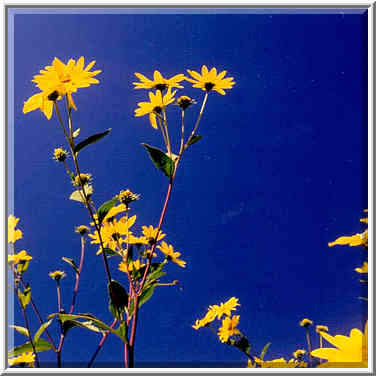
(281, 171)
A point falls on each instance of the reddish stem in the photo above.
(78, 275)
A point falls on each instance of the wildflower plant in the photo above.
(143, 253)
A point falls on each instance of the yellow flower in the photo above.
(299, 353)
(363, 269)
(352, 349)
(21, 256)
(276, 363)
(126, 197)
(57, 80)
(26, 357)
(159, 82)
(155, 106)
(352, 241)
(228, 328)
(83, 178)
(224, 308)
(209, 80)
(321, 328)
(13, 234)
(209, 317)
(305, 323)
(112, 231)
(151, 234)
(168, 250)
(57, 275)
(82, 230)
(60, 155)
(133, 265)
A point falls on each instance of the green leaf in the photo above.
(72, 264)
(69, 324)
(243, 345)
(160, 159)
(78, 194)
(20, 329)
(146, 294)
(193, 140)
(110, 252)
(264, 350)
(118, 295)
(105, 208)
(156, 270)
(90, 140)
(41, 330)
(88, 317)
(123, 331)
(25, 296)
(41, 345)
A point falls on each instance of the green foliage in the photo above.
(242, 344)
(72, 264)
(41, 345)
(69, 324)
(78, 194)
(25, 296)
(118, 298)
(90, 140)
(88, 317)
(41, 330)
(193, 140)
(105, 208)
(156, 270)
(109, 252)
(160, 159)
(20, 329)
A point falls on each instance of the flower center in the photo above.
(157, 109)
(53, 96)
(161, 87)
(65, 78)
(209, 86)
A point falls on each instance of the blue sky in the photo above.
(281, 171)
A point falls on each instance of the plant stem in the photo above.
(101, 344)
(58, 296)
(198, 119)
(28, 330)
(309, 346)
(78, 275)
(37, 312)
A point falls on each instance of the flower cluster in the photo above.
(57, 80)
(207, 81)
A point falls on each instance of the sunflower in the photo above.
(155, 106)
(57, 80)
(159, 83)
(210, 80)
(168, 250)
(228, 328)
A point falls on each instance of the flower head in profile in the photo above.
(82, 230)
(81, 179)
(363, 268)
(321, 328)
(224, 308)
(184, 102)
(19, 257)
(60, 155)
(352, 349)
(210, 80)
(299, 353)
(131, 266)
(155, 106)
(228, 328)
(26, 357)
(159, 82)
(57, 275)
(13, 234)
(57, 80)
(306, 323)
(126, 197)
(168, 250)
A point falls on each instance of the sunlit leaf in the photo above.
(76, 132)
(41, 345)
(193, 140)
(264, 350)
(41, 330)
(105, 208)
(20, 329)
(78, 194)
(72, 264)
